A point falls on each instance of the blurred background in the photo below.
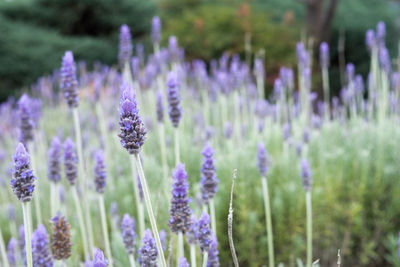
(35, 33)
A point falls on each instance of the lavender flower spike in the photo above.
(175, 110)
(180, 211)
(156, 29)
(306, 175)
(213, 259)
(70, 162)
(128, 233)
(324, 55)
(209, 180)
(163, 239)
(148, 251)
(26, 119)
(160, 107)
(262, 159)
(61, 244)
(100, 172)
(125, 45)
(54, 154)
(183, 262)
(23, 179)
(40, 248)
(69, 83)
(191, 237)
(12, 252)
(99, 260)
(132, 130)
(204, 232)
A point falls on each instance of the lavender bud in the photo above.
(228, 130)
(324, 55)
(173, 48)
(381, 32)
(180, 211)
(100, 174)
(23, 179)
(12, 252)
(132, 130)
(128, 233)
(69, 83)
(54, 154)
(209, 180)
(183, 262)
(213, 258)
(359, 84)
(40, 248)
(370, 39)
(259, 68)
(70, 162)
(61, 193)
(156, 29)
(160, 107)
(26, 119)
(61, 244)
(298, 149)
(278, 89)
(204, 233)
(262, 159)
(350, 72)
(175, 110)
(125, 45)
(148, 251)
(384, 59)
(191, 234)
(306, 175)
(99, 259)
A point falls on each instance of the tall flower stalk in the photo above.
(3, 252)
(204, 236)
(128, 237)
(175, 110)
(307, 184)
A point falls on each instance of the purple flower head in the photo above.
(307, 78)
(173, 48)
(54, 155)
(213, 258)
(61, 238)
(381, 32)
(125, 45)
(148, 251)
(228, 130)
(135, 67)
(384, 59)
(303, 57)
(99, 259)
(163, 239)
(156, 29)
(61, 193)
(12, 252)
(23, 179)
(128, 233)
(40, 248)
(370, 39)
(259, 68)
(299, 149)
(100, 174)
(306, 175)
(262, 159)
(350, 72)
(70, 162)
(359, 84)
(286, 76)
(174, 99)
(180, 211)
(183, 262)
(204, 232)
(209, 180)
(132, 130)
(160, 107)
(69, 83)
(26, 124)
(395, 79)
(191, 235)
(324, 55)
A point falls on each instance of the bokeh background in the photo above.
(35, 33)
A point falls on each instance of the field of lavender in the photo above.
(162, 162)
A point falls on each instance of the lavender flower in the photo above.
(384, 59)
(213, 259)
(258, 68)
(175, 110)
(12, 252)
(23, 179)
(21, 242)
(99, 260)
(40, 248)
(70, 161)
(350, 72)
(61, 244)
(262, 159)
(306, 175)
(286, 131)
(26, 119)
(191, 234)
(370, 39)
(228, 130)
(128, 233)
(160, 107)
(381, 32)
(209, 180)
(156, 29)
(54, 154)
(125, 45)
(132, 130)
(180, 211)
(163, 239)
(148, 251)
(324, 55)
(173, 48)
(69, 83)
(183, 262)
(204, 232)
(100, 174)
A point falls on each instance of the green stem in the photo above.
(177, 156)
(205, 259)
(150, 210)
(161, 130)
(52, 199)
(36, 199)
(193, 255)
(3, 251)
(139, 203)
(180, 247)
(309, 228)
(27, 228)
(269, 223)
(105, 231)
(132, 260)
(81, 223)
(213, 221)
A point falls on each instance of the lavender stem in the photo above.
(177, 156)
(180, 247)
(139, 203)
(212, 212)
(105, 231)
(3, 251)
(205, 259)
(309, 228)
(81, 223)
(269, 223)
(192, 255)
(27, 229)
(132, 260)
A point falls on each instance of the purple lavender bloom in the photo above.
(278, 89)
(69, 83)
(12, 252)
(395, 80)
(191, 237)
(228, 130)
(163, 239)
(160, 107)
(299, 149)
(173, 48)
(125, 45)
(209, 180)
(286, 76)
(148, 251)
(384, 59)
(381, 32)
(286, 131)
(203, 234)
(132, 130)
(135, 67)
(259, 68)
(40, 248)
(262, 159)
(324, 55)
(303, 56)
(99, 259)
(23, 179)
(100, 174)
(54, 155)
(175, 110)
(156, 29)
(61, 193)
(70, 162)
(213, 258)
(180, 211)
(370, 39)
(350, 72)
(359, 84)
(128, 226)
(306, 175)
(183, 262)
(26, 119)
